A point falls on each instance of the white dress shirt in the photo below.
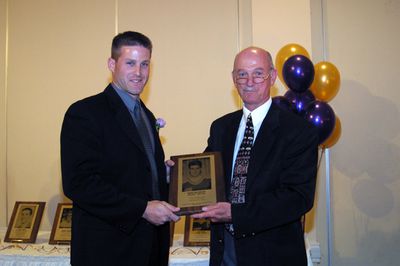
(257, 115)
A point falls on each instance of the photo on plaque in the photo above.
(197, 232)
(25, 222)
(196, 181)
(61, 230)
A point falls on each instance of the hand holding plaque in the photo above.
(196, 181)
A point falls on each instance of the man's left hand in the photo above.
(217, 213)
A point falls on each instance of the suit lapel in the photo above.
(264, 143)
(123, 117)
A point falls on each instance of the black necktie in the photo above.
(238, 183)
(148, 144)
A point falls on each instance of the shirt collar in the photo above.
(259, 113)
(126, 98)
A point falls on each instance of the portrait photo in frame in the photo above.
(197, 232)
(196, 181)
(25, 221)
(61, 230)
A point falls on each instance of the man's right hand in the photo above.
(159, 212)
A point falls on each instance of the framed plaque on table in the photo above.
(171, 233)
(196, 180)
(25, 222)
(61, 230)
(197, 232)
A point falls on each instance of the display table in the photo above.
(189, 256)
(43, 254)
(38, 254)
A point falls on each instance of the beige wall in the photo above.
(277, 23)
(3, 171)
(58, 52)
(362, 41)
(195, 42)
(365, 163)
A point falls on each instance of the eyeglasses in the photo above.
(242, 77)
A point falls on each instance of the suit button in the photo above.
(244, 235)
(253, 234)
(220, 241)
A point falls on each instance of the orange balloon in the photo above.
(284, 53)
(335, 135)
(326, 81)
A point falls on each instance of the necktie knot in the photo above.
(248, 133)
(137, 109)
(249, 119)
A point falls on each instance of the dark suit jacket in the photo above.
(279, 190)
(107, 175)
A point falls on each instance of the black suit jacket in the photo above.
(107, 175)
(279, 189)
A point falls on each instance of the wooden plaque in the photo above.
(171, 233)
(196, 180)
(197, 232)
(25, 222)
(61, 230)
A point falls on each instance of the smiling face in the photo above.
(255, 64)
(130, 71)
(195, 170)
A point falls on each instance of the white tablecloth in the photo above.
(43, 254)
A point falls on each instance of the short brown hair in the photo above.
(129, 38)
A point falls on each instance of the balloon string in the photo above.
(324, 52)
(320, 158)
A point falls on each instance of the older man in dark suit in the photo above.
(270, 159)
(113, 168)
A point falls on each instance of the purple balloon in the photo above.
(321, 115)
(298, 73)
(282, 103)
(300, 101)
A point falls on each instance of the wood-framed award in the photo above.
(197, 232)
(196, 180)
(25, 222)
(171, 233)
(61, 230)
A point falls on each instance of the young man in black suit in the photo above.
(270, 161)
(113, 168)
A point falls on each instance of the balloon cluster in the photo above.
(311, 87)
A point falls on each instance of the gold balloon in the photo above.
(326, 81)
(284, 53)
(334, 137)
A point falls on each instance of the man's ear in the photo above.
(111, 64)
(274, 75)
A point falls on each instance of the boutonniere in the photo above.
(160, 123)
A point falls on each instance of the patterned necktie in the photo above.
(148, 144)
(238, 183)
